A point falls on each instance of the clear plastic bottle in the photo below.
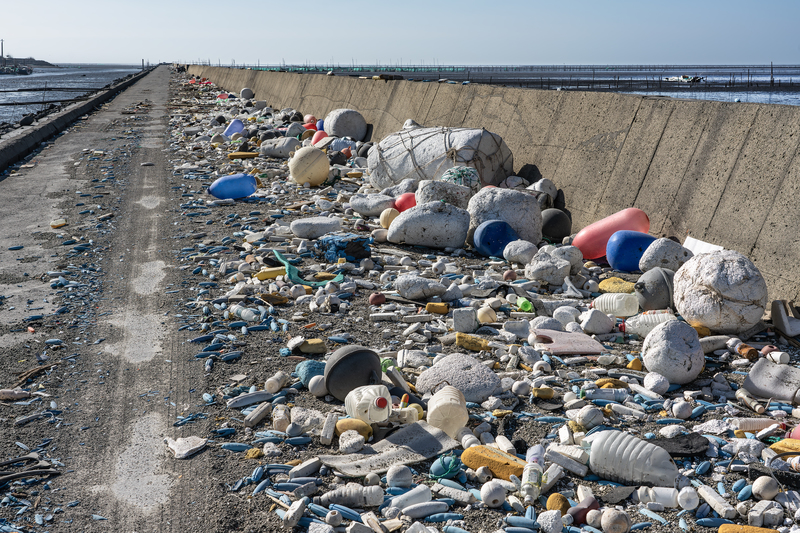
(617, 304)
(244, 313)
(615, 395)
(646, 322)
(370, 403)
(532, 474)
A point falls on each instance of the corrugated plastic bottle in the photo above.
(646, 322)
(621, 457)
(532, 474)
(617, 304)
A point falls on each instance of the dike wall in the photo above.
(726, 173)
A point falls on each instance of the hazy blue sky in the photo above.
(412, 31)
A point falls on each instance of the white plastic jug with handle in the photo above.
(447, 410)
(370, 403)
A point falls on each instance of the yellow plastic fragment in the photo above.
(270, 273)
(471, 342)
(616, 285)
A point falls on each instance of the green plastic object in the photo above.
(294, 276)
(524, 305)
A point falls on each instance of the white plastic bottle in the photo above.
(532, 474)
(621, 457)
(668, 497)
(277, 382)
(466, 438)
(353, 495)
(646, 322)
(752, 424)
(688, 498)
(419, 494)
(244, 313)
(370, 403)
(617, 304)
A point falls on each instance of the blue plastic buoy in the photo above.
(233, 186)
(492, 236)
(625, 249)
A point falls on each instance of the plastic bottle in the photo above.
(617, 304)
(405, 415)
(747, 399)
(280, 417)
(447, 410)
(754, 424)
(277, 382)
(616, 395)
(370, 403)
(644, 323)
(668, 497)
(466, 438)
(524, 305)
(244, 313)
(353, 495)
(621, 457)
(419, 494)
(532, 474)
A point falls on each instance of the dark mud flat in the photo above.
(125, 371)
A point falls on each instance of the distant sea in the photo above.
(72, 76)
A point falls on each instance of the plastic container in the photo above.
(318, 136)
(532, 474)
(621, 457)
(370, 403)
(625, 248)
(617, 304)
(236, 126)
(277, 382)
(644, 323)
(779, 358)
(747, 399)
(280, 417)
(769, 380)
(233, 186)
(467, 438)
(524, 305)
(447, 410)
(245, 313)
(654, 289)
(592, 239)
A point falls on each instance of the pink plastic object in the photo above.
(592, 239)
(310, 119)
(405, 201)
(318, 137)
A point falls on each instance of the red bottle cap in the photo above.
(381, 402)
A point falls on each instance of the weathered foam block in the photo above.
(500, 463)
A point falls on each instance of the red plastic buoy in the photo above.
(310, 119)
(592, 239)
(310, 126)
(405, 201)
(318, 136)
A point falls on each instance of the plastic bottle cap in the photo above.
(381, 402)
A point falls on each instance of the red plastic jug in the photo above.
(592, 239)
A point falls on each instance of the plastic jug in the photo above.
(769, 380)
(644, 323)
(592, 239)
(532, 474)
(617, 304)
(370, 403)
(621, 457)
(447, 410)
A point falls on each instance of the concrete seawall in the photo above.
(726, 173)
(21, 142)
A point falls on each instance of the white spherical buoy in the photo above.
(615, 521)
(372, 479)
(493, 494)
(682, 410)
(765, 488)
(589, 416)
(317, 386)
(656, 382)
(594, 517)
(309, 165)
(399, 476)
(387, 216)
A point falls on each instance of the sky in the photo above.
(464, 32)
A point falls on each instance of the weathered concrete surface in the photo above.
(726, 173)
